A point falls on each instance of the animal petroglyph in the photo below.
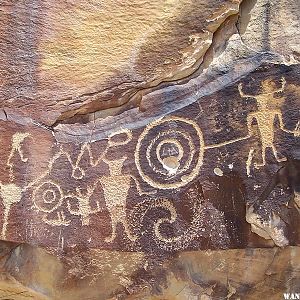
(169, 154)
(48, 196)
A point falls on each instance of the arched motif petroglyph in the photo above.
(177, 134)
(77, 171)
(265, 118)
(49, 196)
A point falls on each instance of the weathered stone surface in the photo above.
(147, 146)
(70, 57)
(271, 26)
(100, 274)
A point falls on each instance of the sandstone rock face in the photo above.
(149, 150)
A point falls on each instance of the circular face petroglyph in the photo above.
(169, 152)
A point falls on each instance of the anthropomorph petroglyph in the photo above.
(265, 117)
(10, 192)
(116, 186)
(49, 196)
(16, 145)
(168, 155)
(83, 209)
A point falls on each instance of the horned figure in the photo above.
(265, 117)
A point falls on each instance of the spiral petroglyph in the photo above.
(174, 149)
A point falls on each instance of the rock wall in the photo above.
(146, 146)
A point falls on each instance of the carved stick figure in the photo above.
(265, 118)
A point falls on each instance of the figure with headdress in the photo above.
(265, 117)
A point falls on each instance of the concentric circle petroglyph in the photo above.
(47, 196)
(169, 152)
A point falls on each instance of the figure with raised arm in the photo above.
(265, 118)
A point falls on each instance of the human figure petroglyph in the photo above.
(82, 198)
(265, 118)
(84, 209)
(174, 154)
(11, 193)
(48, 197)
(16, 147)
(116, 187)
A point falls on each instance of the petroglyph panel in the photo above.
(188, 180)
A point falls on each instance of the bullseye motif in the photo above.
(169, 152)
(47, 196)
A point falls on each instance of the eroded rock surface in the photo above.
(99, 274)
